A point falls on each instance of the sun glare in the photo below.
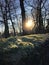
(29, 25)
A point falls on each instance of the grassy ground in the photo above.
(24, 50)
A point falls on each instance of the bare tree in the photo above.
(4, 16)
(23, 14)
(8, 8)
(37, 5)
(9, 11)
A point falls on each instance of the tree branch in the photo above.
(30, 5)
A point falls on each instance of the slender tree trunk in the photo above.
(5, 21)
(48, 22)
(47, 27)
(6, 33)
(11, 19)
(12, 23)
(7, 6)
(39, 19)
(4, 15)
(23, 14)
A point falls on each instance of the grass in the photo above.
(22, 41)
(22, 50)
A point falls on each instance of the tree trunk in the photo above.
(6, 33)
(5, 21)
(39, 19)
(23, 14)
(12, 23)
(47, 27)
(11, 19)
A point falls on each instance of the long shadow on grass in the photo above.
(24, 39)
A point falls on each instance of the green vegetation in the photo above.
(22, 50)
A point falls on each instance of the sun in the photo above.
(29, 25)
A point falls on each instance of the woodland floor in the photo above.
(25, 50)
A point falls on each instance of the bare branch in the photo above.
(30, 5)
(44, 3)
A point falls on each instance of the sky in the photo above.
(18, 11)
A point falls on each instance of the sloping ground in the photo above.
(25, 50)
